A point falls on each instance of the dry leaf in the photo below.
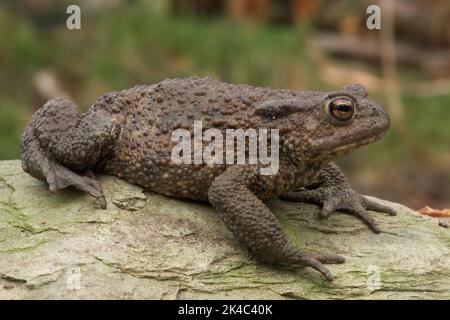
(428, 211)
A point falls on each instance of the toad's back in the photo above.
(149, 115)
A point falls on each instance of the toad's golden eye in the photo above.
(340, 110)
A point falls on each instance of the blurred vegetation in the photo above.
(143, 42)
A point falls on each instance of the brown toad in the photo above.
(129, 134)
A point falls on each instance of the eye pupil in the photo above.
(341, 109)
(344, 108)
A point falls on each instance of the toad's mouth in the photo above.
(353, 145)
(340, 145)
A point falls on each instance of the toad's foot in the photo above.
(59, 177)
(341, 198)
(315, 261)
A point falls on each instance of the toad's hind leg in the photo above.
(252, 222)
(58, 144)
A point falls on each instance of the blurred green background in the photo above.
(293, 44)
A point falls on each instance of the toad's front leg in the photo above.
(234, 195)
(333, 191)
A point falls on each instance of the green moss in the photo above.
(24, 249)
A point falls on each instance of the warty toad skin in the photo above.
(128, 134)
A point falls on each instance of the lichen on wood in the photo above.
(148, 246)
